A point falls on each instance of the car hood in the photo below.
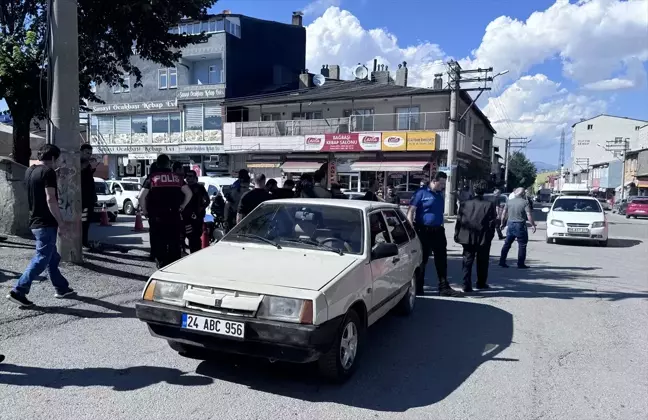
(104, 197)
(577, 217)
(227, 262)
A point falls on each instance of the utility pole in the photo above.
(64, 120)
(512, 142)
(455, 78)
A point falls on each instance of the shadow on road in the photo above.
(118, 311)
(114, 272)
(407, 363)
(128, 379)
(8, 275)
(612, 243)
(112, 258)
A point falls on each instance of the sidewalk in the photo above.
(121, 233)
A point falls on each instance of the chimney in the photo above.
(227, 12)
(334, 71)
(305, 80)
(380, 73)
(325, 70)
(401, 74)
(298, 18)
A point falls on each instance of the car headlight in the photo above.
(286, 309)
(165, 292)
(557, 223)
(598, 224)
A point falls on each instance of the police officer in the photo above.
(163, 198)
(426, 214)
(194, 214)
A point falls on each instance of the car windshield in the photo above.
(131, 186)
(577, 205)
(310, 226)
(101, 188)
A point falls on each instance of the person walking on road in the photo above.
(45, 222)
(194, 214)
(517, 211)
(499, 203)
(426, 214)
(251, 199)
(163, 198)
(474, 230)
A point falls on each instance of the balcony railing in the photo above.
(355, 123)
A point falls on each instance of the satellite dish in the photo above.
(361, 72)
(319, 80)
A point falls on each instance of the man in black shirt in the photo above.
(273, 188)
(194, 214)
(251, 199)
(163, 198)
(370, 195)
(45, 221)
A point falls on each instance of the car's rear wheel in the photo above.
(627, 216)
(129, 208)
(406, 305)
(339, 363)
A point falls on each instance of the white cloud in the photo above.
(319, 6)
(601, 44)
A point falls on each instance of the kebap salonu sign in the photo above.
(343, 142)
(135, 107)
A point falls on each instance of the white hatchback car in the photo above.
(126, 193)
(298, 280)
(576, 218)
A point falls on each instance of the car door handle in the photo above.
(395, 260)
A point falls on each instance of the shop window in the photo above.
(396, 228)
(105, 125)
(193, 117)
(122, 125)
(139, 124)
(175, 125)
(213, 119)
(408, 118)
(160, 123)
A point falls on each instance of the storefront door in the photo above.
(349, 182)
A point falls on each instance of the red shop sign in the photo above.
(347, 142)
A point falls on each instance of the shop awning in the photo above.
(397, 166)
(642, 183)
(301, 167)
(263, 164)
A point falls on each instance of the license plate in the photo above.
(578, 230)
(98, 209)
(213, 325)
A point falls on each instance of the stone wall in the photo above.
(14, 207)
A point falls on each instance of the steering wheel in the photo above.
(332, 239)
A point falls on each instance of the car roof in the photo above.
(584, 197)
(352, 204)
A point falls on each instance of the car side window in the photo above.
(378, 229)
(408, 226)
(395, 227)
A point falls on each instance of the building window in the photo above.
(212, 119)
(123, 125)
(105, 125)
(126, 86)
(175, 125)
(214, 75)
(163, 79)
(271, 116)
(618, 140)
(209, 27)
(160, 124)
(407, 118)
(361, 119)
(310, 115)
(173, 78)
(139, 124)
(193, 118)
(590, 126)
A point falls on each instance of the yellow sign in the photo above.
(421, 140)
(394, 141)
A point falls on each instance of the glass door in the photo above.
(349, 182)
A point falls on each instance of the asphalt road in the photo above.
(566, 339)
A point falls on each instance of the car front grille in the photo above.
(217, 309)
(581, 225)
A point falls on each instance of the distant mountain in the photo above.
(545, 167)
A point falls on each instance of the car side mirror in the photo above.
(384, 250)
(545, 209)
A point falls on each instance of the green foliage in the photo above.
(109, 33)
(522, 172)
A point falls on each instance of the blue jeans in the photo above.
(515, 230)
(46, 257)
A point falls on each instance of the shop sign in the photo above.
(135, 107)
(393, 141)
(421, 140)
(343, 142)
(142, 156)
(332, 173)
(201, 92)
(198, 149)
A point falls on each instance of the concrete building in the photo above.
(376, 128)
(590, 137)
(178, 110)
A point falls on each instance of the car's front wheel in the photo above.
(549, 240)
(603, 243)
(112, 217)
(406, 305)
(339, 363)
(129, 208)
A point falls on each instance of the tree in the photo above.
(110, 33)
(522, 172)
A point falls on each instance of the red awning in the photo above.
(301, 167)
(394, 166)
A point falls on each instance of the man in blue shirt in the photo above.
(426, 214)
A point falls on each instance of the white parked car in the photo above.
(105, 198)
(576, 218)
(298, 280)
(126, 193)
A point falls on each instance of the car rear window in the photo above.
(642, 201)
(577, 205)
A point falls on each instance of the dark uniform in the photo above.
(88, 201)
(194, 216)
(165, 221)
